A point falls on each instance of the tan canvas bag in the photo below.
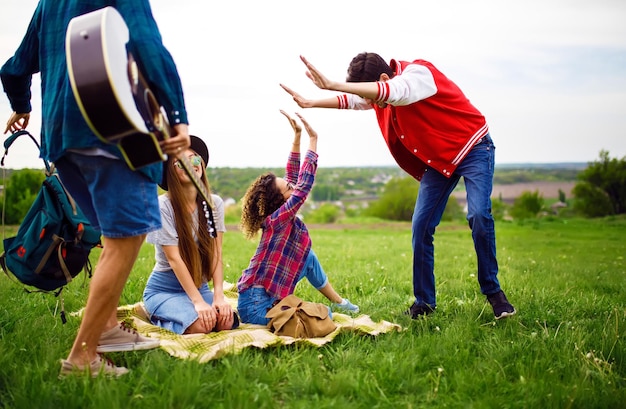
(300, 319)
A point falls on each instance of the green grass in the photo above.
(564, 349)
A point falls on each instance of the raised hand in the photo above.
(294, 124)
(316, 76)
(299, 99)
(309, 130)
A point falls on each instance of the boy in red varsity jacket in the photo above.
(436, 135)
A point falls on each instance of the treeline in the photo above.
(387, 192)
(356, 183)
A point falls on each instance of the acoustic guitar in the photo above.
(113, 96)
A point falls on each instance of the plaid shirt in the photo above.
(43, 50)
(285, 242)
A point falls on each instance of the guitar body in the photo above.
(113, 98)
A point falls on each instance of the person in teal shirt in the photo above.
(121, 202)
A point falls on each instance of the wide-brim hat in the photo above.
(199, 147)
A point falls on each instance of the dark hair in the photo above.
(367, 67)
(261, 199)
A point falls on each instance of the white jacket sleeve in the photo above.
(414, 84)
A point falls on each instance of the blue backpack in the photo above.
(53, 241)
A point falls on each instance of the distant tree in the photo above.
(20, 192)
(397, 200)
(562, 196)
(591, 201)
(527, 205)
(326, 213)
(602, 187)
(325, 192)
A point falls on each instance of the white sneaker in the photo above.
(96, 367)
(124, 338)
(347, 306)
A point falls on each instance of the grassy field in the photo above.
(564, 349)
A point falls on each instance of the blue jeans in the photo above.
(255, 302)
(477, 171)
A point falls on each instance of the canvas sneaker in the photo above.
(124, 338)
(347, 306)
(502, 308)
(97, 367)
(418, 310)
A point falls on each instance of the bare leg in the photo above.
(329, 292)
(112, 270)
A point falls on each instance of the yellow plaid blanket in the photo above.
(205, 347)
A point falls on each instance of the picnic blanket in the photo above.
(206, 347)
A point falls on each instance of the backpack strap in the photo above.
(9, 141)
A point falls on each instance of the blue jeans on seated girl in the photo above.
(254, 302)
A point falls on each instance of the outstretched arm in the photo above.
(367, 90)
(311, 103)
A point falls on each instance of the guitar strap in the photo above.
(208, 214)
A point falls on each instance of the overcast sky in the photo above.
(549, 75)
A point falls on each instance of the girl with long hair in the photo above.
(188, 252)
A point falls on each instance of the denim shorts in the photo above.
(252, 305)
(116, 200)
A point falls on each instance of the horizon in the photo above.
(511, 165)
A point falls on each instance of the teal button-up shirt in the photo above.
(43, 50)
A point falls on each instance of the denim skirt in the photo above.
(167, 303)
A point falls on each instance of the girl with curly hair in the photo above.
(284, 255)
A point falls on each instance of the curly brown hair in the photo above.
(261, 199)
(200, 258)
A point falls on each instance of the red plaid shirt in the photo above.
(285, 241)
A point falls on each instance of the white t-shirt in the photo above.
(167, 235)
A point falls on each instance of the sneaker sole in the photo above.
(506, 314)
(131, 346)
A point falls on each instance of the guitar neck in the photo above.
(162, 126)
(202, 190)
(195, 179)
